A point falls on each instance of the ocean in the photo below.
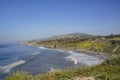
(36, 60)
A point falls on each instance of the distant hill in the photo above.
(71, 35)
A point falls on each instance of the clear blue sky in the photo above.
(34, 19)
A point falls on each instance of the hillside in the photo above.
(82, 42)
(72, 35)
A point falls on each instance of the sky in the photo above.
(35, 19)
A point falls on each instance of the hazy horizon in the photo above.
(36, 19)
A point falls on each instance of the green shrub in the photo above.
(20, 75)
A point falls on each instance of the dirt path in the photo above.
(84, 78)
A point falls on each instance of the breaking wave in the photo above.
(72, 59)
(83, 59)
(7, 68)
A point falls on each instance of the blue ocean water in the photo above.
(35, 60)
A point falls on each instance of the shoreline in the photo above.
(91, 53)
(105, 70)
(75, 56)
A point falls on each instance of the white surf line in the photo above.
(51, 49)
(60, 50)
(73, 60)
(7, 68)
(84, 58)
(42, 47)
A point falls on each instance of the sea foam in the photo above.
(72, 59)
(42, 48)
(60, 50)
(7, 68)
(51, 49)
(83, 58)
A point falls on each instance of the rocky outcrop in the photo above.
(54, 46)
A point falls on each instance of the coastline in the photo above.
(91, 53)
(101, 71)
(76, 56)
